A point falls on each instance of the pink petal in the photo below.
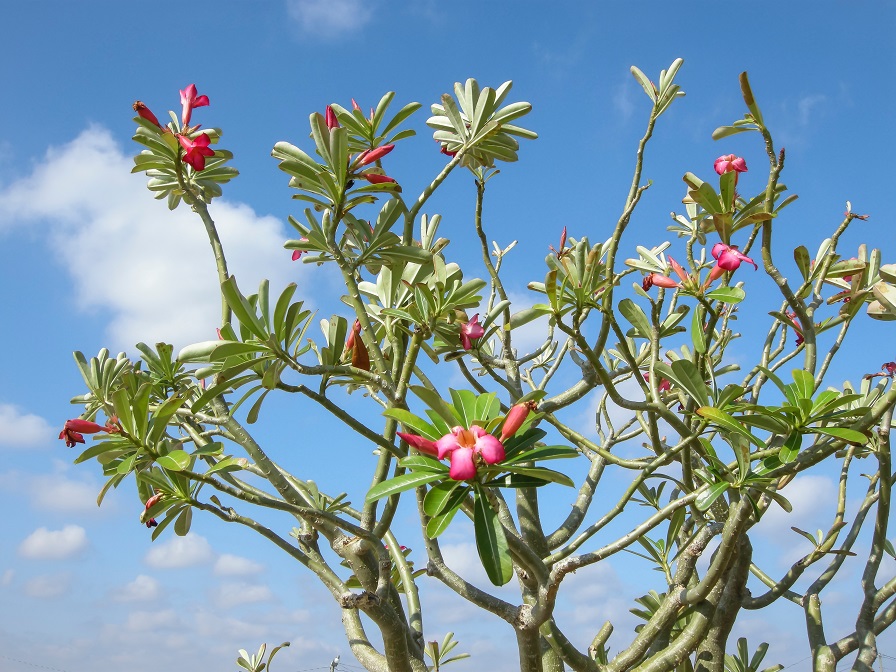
(490, 448)
(729, 260)
(717, 249)
(201, 101)
(448, 444)
(462, 466)
(296, 255)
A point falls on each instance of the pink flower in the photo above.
(890, 368)
(371, 155)
(422, 444)
(374, 178)
(664, 385)
(660, 281)
(332, 121)
(196, 150)
(515, 419)
(729, 163)
(729, 258)
(189, 100)
(146, 113)
(464, 446)
(796, 327)
(444, 150)
(469, 331)
(73, 431)
(679, 271)
(297, 254)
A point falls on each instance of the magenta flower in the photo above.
(297, 254)
(371, 155)
(469, 331)
(74, 430)
(890, 368)
(664, 385)
(189, 100)
(146, 113)
(332, 121)
(797, 327)
(515, 419)
(729, 163)
(464, 447)
(196, 150)
(729, 258)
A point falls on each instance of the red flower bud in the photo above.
(354, 345)
(659, 281)
(332, 121)
(515, 419)
(374, 178)
(146, 113)
(370, 155)
(73, 431)
(420, 443)
(355, 105)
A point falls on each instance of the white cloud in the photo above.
(235, 593)
(55, 492)
(7, 577)
(103, 224)
(235, 565)
(806, 104)
(142, 589)
(48, 586)
(22, 430)
(180, 552)
(623, 99)
(329, 18)
(44, 544)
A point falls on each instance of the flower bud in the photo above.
(515, 419)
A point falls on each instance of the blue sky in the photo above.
(92, 261)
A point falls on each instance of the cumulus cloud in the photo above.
(180, 552)
(235, 593)
(22, 430)
(48, 586)
(165, 286)
(55, 492)
(329, 18)
(235, 565)
(44, 544)
(142, 589)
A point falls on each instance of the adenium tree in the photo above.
(719, 447)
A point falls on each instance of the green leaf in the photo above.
(413, 422)
(684, 373)
(243, 310)
(706, 498)
(791, 447)
(439, 524)
(636, 317)
(401, 483)
(443, 496)
(849, 435)
(182, 524)
(491, 542)
(727, 295)
(721, 419)
(541, 473)
(176, 460)
(698, 333)
(432, 399)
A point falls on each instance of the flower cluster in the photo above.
(196, 149)
(467, 448)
